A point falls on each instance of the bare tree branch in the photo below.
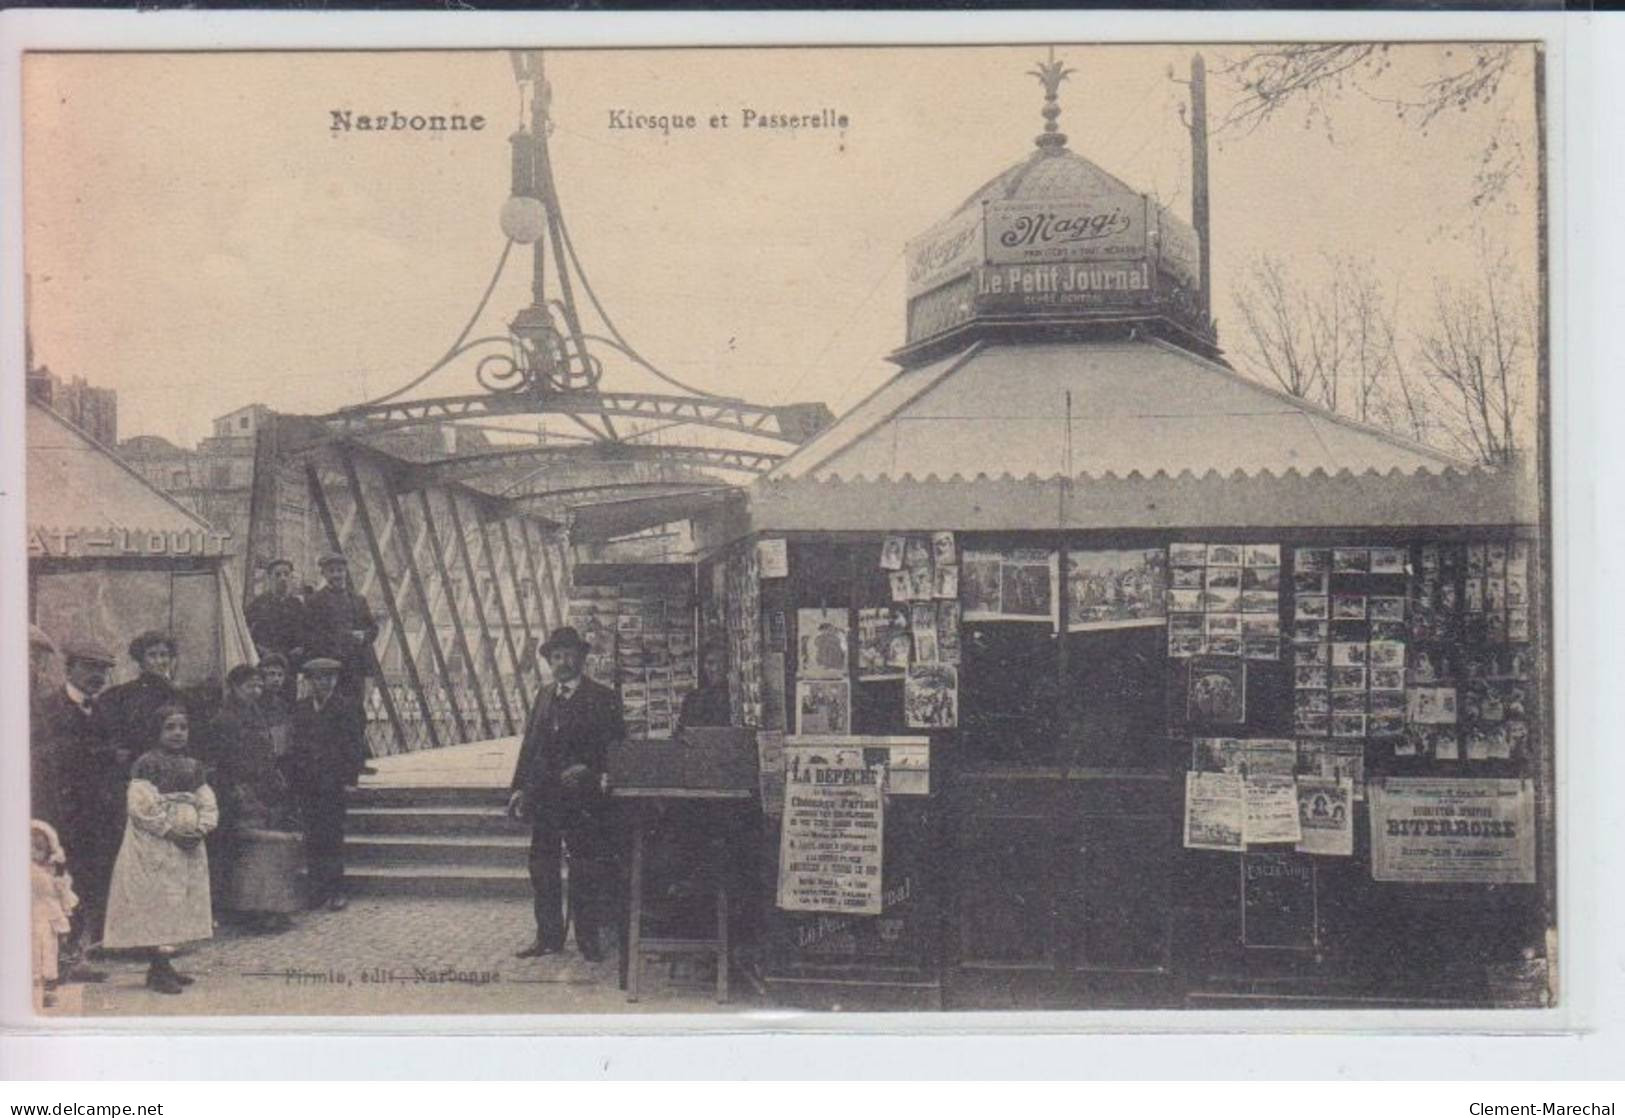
(1313, 76)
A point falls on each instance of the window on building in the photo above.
(220, 477)
(242, 423)
(177, 479)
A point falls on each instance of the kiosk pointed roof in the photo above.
(1138, 404)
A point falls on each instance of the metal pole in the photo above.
(1200, 216)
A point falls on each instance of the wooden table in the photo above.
(634, 944)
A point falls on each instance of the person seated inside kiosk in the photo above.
(709, 704)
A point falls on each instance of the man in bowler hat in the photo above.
(76, 789)
(558, 785)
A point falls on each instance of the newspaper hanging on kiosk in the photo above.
(831, 840)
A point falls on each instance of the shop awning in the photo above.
(84, 500)
(1161, 501)
(1142, 405)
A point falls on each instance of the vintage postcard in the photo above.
(455, 477)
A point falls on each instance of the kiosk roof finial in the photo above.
(1050, 75)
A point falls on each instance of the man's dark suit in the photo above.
(322, 762)
(78, 788)
(279, 624)
(331, 616)
(561, 733)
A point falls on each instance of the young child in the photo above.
(53, 902)
(160, 893)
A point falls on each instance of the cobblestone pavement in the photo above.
(391, 955)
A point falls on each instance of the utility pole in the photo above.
(1199, 200)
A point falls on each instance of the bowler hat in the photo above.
(88, 651)
(279, 562)
(334, 559)
(565, 636)
(317, 665)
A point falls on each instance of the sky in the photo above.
(198, 237)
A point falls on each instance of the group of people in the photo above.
(157, 812)
(153, 817)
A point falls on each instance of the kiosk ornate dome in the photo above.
(1053, 246)
(1048, 175)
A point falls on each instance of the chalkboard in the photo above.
(1278, 903)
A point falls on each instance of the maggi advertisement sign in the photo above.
(945, 252)
(1111, 227)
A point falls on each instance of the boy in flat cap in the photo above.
(322, 763)
(340, 627)
(276, 619)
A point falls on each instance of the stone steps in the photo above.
(436, 879)
(434, 841)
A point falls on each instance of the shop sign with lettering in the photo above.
(944, 252)
(1044, 286)
(941, 310)
(1427, 830)
(123, 543)
(1108, 227)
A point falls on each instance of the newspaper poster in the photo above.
(948, 632)
(883, 643)
(1015, 585)
(1326, 816)
(1271, 809)
(1248, 757)
(1214, 811)
(832, 837)
(770, 770)
(821, 643)
(908, 768)
(773, 558)
(823, 706)
(891, 554)
(1216, 692)
(1426, 830)
(931, 696)
(1116, 589)
(1333, 760)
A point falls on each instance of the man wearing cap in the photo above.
(73, 786)
(322, 763)
(276, 619)
(340, 626)
(558, 786)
